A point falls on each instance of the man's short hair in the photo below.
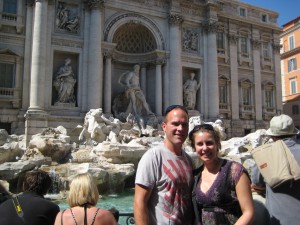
(172, 107)
(37, 181)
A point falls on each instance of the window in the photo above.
(266, 53)
(10, 6)
(264, 18)
(220, 40)
(223, 94)
(246, 96)
(292, 64)
(293, 86)
(244, 45)
(269, 98)
(243, 12)
(295, 109)
(291, 42)
(7, 75)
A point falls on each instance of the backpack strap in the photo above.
(18, 208)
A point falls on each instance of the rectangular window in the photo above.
(291, 42)
(264, 18)
(10, 6)
(266, 50)
(243, 12)
(246, 96)
(295, 109)
(244, 45)
(7, 75)
(223, 94)
(269, 98)
(292, 64)
(293, 86)
(220, 40)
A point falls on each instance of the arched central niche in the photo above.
(134, 38)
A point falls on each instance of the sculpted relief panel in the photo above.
(67, 18)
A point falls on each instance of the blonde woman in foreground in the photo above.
(82, 199)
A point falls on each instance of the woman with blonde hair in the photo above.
(82, 199)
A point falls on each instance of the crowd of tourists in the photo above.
(168, 188)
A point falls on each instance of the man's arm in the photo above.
(141, 198)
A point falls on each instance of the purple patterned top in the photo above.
(220, 203)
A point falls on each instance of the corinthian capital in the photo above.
(276, 47)
(210, 26)
(175, 18)
(233, 38)
(256, 43)
(94, 4)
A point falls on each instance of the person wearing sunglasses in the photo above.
(164, 176)
(221, 193)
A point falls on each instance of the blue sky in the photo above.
(287, 9)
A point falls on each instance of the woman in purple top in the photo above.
(221, 193)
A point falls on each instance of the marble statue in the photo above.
(190, 88)
(131, 81)
(96, 127)
(64, 83)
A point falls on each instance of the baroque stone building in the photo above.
(61, 58)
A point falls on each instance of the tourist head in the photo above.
(83, 190)
(37, 181)
(282, 126)
(205, 140)
(176, 125)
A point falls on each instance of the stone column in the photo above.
(175, 69)
(27, 51)
(95, 60)
(210, 28)
(36, 119)
(158, 88)
(38, 61)
(233, 40)
(107, 83)
(257, 79)
(144, 79)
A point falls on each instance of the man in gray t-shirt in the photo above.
(164, 176)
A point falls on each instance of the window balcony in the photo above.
(10, 95)
(12, 20)
(247, 112)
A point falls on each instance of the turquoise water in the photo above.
(122, 202)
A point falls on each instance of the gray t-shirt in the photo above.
(170, 178)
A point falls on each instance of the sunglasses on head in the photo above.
(172, 107)
(205, 126)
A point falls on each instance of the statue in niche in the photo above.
(64, 83)
(190, 88)
(133, 101)
(66, 19)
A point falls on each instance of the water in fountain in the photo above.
(56, 182)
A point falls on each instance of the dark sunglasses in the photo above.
(205, 126)
(172, 107)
